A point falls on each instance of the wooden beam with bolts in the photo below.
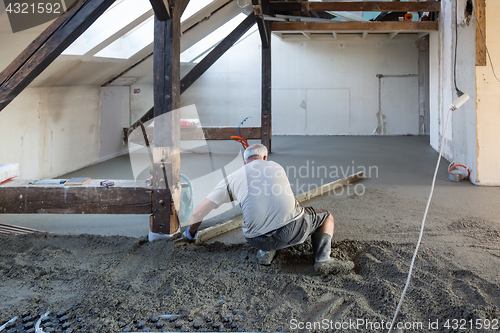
(166, 131)
(20, 196)
(205, 133)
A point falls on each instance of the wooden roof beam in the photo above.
(161, 9)
(355, 26)
(365, 6)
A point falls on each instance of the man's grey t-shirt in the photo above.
(264, 193)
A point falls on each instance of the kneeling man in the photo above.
(273, 219)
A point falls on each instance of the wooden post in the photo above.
(266, 93)
(166, 133)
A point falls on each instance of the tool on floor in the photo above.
(48, 182)
(107, 183)
(456, 175)
(9, 229)
(38, 329)
(10, 322)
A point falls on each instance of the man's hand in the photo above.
(187, 235)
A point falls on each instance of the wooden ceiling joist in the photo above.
(365, 6)
(48, 46)
(355, 26)
(298, 36)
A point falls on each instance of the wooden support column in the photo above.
(166, 161)
(266, 93)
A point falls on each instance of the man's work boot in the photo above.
(265, 257)
(324, 265)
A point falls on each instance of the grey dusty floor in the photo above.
(401, 166)
(377, 224)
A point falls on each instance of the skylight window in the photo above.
(112, 21)
(131, 43)
(194, 7)
(134, 20)
(212, 39)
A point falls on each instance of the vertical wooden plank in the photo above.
(480, 43)
(266, 95)
(166, 132)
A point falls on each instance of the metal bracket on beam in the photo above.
(164, 219)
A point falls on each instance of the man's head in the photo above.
(255, 152)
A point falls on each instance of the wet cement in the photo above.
(455, 276)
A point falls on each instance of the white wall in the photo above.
(51, 131)
(488, 103)
(230, 90)
(323, 88)
(318, 87)
(460, 140)
(115, 115)
(140, 101)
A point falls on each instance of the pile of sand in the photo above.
(108, 284)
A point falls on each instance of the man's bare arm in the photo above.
(202, 210)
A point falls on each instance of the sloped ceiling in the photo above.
(90, 70)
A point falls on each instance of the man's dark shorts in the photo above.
(293, 233)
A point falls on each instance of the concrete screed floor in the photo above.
(389, 203)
